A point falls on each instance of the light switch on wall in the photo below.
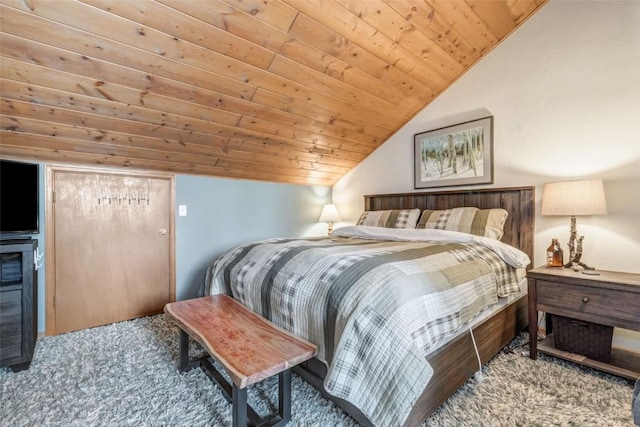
(182, 210)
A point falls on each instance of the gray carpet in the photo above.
(125, 375)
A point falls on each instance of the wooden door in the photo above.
(112, 248)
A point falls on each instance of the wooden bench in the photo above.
(249, 347)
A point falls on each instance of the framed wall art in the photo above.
(460, 154)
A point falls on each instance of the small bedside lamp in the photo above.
(329, 214)
(573, 198)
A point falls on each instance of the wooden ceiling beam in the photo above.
(335, 17)
(161, 94)
(242, 150)
(426, 20)
(167, 21)
(276, 13)
(39, 29)
(464, 20)
(340, 119)
(495, 15)
(18, 108)
(262, 34)
(394, 26)
(293, 91)
(148, 159)
(337, 95)
(44, 155)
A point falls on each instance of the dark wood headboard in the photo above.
(519, 202)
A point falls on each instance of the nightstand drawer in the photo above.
(590, 302)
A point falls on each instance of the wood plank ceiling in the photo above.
(296, 91)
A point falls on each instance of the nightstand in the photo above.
(611, 298)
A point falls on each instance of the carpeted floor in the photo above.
(125, 375)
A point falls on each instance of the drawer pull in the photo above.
(579, 323)
(585, 300)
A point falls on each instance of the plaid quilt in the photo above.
(375, 308)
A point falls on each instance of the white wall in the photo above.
(564, 91)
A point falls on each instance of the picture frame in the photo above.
(469, 143)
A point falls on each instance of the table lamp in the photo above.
(328, 215)
(574, 198)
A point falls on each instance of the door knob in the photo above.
(163, 231)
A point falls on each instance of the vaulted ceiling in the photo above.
(296, 91)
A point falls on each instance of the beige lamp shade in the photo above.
(329, 214)
(574, 198)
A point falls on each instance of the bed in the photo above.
(635, 403)
(409, 389)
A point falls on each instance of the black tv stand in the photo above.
(18, 302)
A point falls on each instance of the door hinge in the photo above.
(53, 196)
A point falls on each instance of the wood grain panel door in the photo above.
(112, 248)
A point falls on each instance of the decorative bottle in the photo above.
(558, 256)
(554, 254)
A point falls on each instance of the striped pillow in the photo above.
(481, 222)
(394, 218)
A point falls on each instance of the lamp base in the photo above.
(575, 249)
(575, 264)
(590, 272)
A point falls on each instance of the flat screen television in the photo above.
(18, 197)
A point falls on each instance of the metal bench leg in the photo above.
(284, 396)
(239, 402)
(184, 351)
